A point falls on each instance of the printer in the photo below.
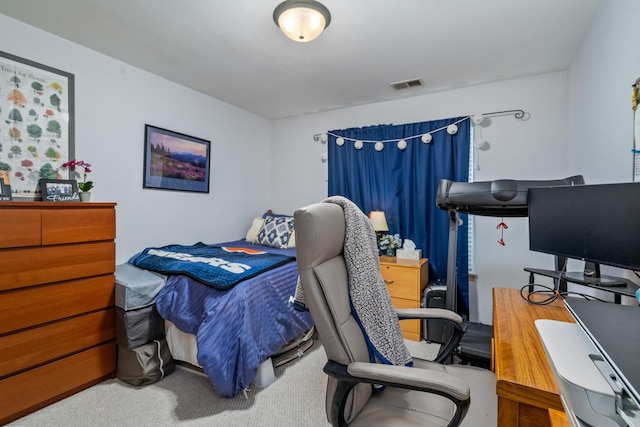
(596, 362)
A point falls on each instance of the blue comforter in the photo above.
(236, 329)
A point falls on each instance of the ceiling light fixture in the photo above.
(301, 20)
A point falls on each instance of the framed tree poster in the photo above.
(36, 124)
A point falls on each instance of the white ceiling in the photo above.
(233, 51)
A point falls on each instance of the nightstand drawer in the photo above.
(401, 282)
(407, 325)
(405, 280)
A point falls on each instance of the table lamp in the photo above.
(379, 222)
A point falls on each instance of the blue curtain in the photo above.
(404, 183)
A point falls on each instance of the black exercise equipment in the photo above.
(497, 198)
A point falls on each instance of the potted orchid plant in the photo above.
(84, 186)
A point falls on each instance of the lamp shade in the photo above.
(378, 220)
(301, 20)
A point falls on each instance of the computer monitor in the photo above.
(599, 224)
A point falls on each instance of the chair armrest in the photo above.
(413, 378)
(429, 313)
(454, 321)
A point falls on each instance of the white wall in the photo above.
(113, 103)
(600, 113)
(531, 149)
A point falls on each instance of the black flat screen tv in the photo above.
(599, 224)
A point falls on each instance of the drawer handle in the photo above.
(388, 282)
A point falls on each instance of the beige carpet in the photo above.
(186, 398)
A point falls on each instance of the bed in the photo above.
(232, 330)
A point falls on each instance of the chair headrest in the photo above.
(320, 219)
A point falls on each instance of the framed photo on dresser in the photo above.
(59, 190)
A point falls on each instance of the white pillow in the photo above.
(256, 225)
(292, 240)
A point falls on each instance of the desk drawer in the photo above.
(36, 346)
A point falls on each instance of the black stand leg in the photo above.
(561, 266)
(531, 281)
(452, 263)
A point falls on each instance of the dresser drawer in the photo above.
(25, 267)
(78, 225)
(20, 227)
(38, 387)
(52, 341)
(29, 307)
(401, 282)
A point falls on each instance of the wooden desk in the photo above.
(558, 419)
(524, 381)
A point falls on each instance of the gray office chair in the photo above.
(427, 394)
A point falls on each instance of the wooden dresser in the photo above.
(57, 316)
(406, 279)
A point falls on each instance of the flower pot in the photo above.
(391, 252)
(85, 196)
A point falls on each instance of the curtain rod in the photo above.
(518, 114)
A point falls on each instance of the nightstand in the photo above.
(406, 279)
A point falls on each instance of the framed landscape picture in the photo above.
(36, 125)
(174, 161)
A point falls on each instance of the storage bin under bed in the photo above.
(143, 354)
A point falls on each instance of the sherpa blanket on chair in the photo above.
(370, 301)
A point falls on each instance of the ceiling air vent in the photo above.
(405, 84)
